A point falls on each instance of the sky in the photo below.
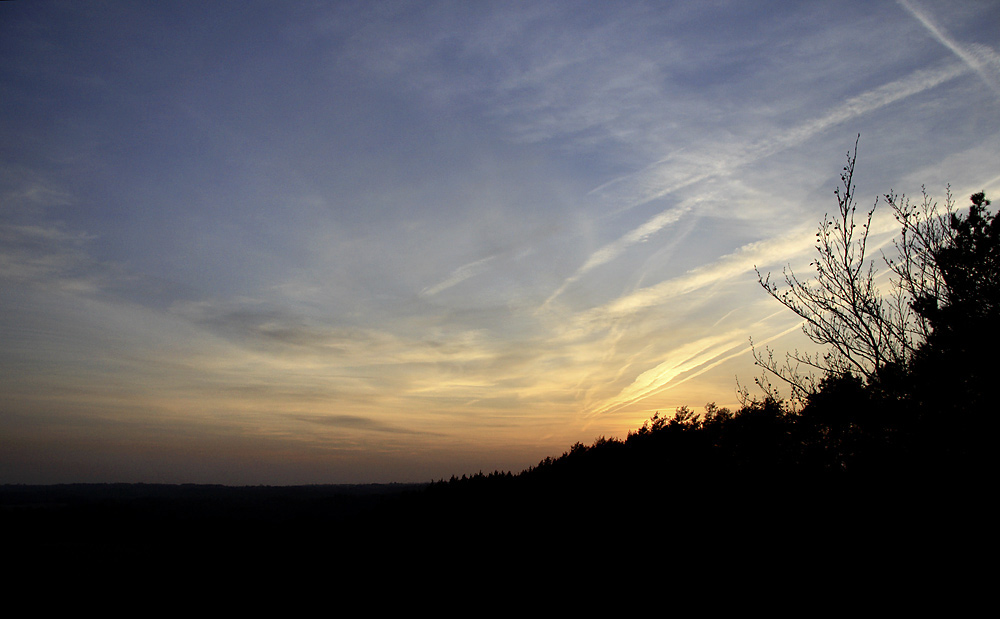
(353, 242)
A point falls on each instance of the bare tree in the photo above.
(842, 308)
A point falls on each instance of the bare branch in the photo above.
(842, 307)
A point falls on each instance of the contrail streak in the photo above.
(869, 101)
(981, 59)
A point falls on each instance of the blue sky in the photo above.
(325, 242)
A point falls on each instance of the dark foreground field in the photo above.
(142, 520)
(368, 526)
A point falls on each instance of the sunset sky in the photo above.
(336, 242)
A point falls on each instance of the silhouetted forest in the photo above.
(868, 463)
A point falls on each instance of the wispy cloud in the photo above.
(681, 360)
(357, 422)
(457, 276)
(729, 160)
(612, 250)
(736, 265)
(49, 256)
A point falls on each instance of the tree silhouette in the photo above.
(944, 279)
(954, 370)
(949, 266)
(907, 382)
(842, 307)
(969, 267)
